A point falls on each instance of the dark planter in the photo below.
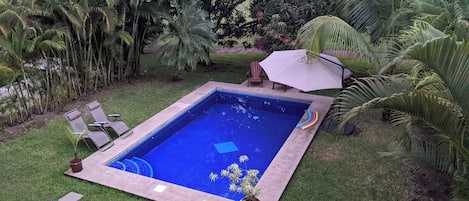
(76, 165)
(250, 199)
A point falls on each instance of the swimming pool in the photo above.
(211, 135)
(272, 184)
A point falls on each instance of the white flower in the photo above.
(253, 173)
(233, 187)
(225, 173)
(213, 176)
(243, 158)
(243, 183)
(233, 166)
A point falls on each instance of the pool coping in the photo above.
(272, 184)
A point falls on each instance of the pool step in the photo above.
(135, 165)
(131, 166)
(118, 165)
(145, 167)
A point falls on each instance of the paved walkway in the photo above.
(272, 183)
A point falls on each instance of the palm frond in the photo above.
(450, 61)
(76, 21)
(460, 9)
(418, 33)
(399, 20)
(398, 93)
(428, 81)
(330, 32)
(108, 18)
(423, 153)
(399, 118)
(460, 190)
(364, 16)
(10, 18)
(7, 75)
(460, 30)
(54, 43)
(368, 93)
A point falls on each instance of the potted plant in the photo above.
(75, 137)
(242, 180)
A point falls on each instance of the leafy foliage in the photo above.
(189, 36)
(369, 16)
(74, 138)
(381, 18)
(441, 104)
(229, 18)
(7, 76)
(327, 33)
(279, 20)
(63, 49)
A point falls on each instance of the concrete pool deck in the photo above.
(272, 183)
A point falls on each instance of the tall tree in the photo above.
(230, 18)
(20, 38)
(279, 20)
(140, 18)
(189, 35)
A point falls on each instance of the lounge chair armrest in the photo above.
(248, 73)
(100, 122)
(113, 115)
(95, 125)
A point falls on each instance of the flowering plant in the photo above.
(242, 180)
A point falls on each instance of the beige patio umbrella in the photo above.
(293, 68)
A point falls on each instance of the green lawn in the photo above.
(334, 168)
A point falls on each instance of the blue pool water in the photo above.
(211, 135)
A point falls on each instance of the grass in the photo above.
(349, 168)
(345, 168)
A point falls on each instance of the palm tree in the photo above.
(433, 91)
(16, 41)
(381, 18)
(189, 35)
(450, 17)
(139, 18)
(437, 98)
(90, 27)
(26, 42)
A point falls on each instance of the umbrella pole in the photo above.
(342, 80)
(319, 55)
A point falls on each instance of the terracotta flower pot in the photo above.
(76, 165)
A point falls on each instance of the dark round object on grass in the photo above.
(329, 125)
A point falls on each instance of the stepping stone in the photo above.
(72, 196)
